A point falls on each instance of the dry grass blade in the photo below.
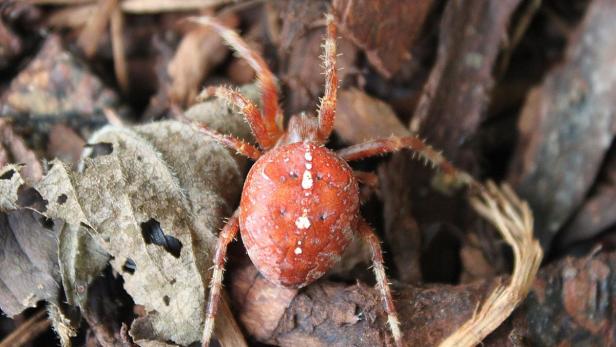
(90, 36)
(27, 331)
(145, 6)
(72, 17)
(155, 6)
(513, 219)
(117, 44)
(60, 2)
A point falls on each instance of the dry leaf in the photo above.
(385, 29)
(56, 84)
(198, 53)
(156, 210)
(153, 197)
(29, 269)
(16, 148)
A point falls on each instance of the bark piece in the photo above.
(568, 302)
(300, 51)
(456, 93)
(567, 125)
(385, 29)
(597, 213)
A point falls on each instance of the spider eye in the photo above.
(294, 174)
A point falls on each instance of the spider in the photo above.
(299, 207)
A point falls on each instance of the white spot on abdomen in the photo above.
(307, 180)
(298, 251)
(308, 155)
(302, 222)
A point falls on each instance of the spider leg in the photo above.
(415, 144)
(246, 107)
(369, 179)
(227, 235)
(369, 236)
(240, 146)
(272, 118)
(327, 109)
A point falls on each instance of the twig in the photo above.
(27, 331)
(513, 219)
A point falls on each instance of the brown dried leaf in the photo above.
(360, 117)
(198, 53)
(64, 143)
(56, 86)
(19, 153)
(385, 29)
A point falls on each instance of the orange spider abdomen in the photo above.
(299, 209)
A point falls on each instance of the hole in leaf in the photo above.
(62, 199)
(7, 175)
(129, 266)
(153, 233)
(47, 223)
(100, 149)
(166, 300)
(30, 197)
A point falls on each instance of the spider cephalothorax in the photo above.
(300, 203)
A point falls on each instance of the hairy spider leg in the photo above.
(272, 118)
(240, 146)
(327, 109)
(369, 179)
(367, 233)
(246, 107)
(413, 143)
(227, 235)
